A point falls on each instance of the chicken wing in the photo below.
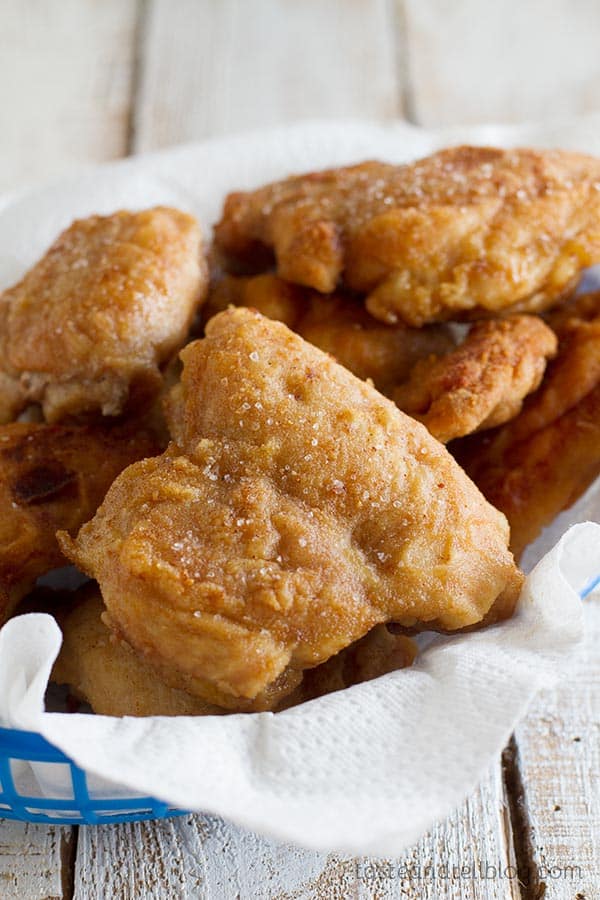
(467, 229)
(88, 327)
(296, 509)
(337, 324)
(53, 476)
(484, 382)
(543, 460)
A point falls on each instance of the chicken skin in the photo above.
(337, 324)
(51, 477)
(296, 509)
(543, 460)
(89, 326)
(469, 230)
(482, 383)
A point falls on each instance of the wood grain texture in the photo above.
(35, 861)
(65, 68)
(215, 66)
(203, 858)
(472, 62)
(558, 748)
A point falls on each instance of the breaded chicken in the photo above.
(106, 673)
(54, 476)
(543, 460)
(338, 324)
(467, 230)
(296, 509)
(482, 383)
(89, 326)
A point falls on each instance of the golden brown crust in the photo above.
(481, 384)
(53, 476)
(543, 460)
(296, 509)
(88, 327)
(468, 229)
(338, 324)
(106, 673)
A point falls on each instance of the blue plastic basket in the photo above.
(80, 808)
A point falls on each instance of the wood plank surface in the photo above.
(214, 66)
(65, 89)
(558, 752)
(36, 861)
(471, 62)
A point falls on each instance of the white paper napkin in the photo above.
(366, 770)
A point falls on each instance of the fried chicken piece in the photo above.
(54, 476)
(469, 229)
(578, 308)
(89, 326)
(106, 673)
(484, 382)
(541, 462)
(337, 324)
(377, 653)
(296, 509)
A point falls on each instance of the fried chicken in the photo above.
(467, 230)
(54, 476)
(106, 673)
(296, 509)
(337, 324)
(484, 382)
(543, 460)
(88, 327)
(374, 655)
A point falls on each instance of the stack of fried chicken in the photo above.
(281, 456)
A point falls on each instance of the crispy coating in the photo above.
(543, 460)
(484, 382)
(106, 673)
(54, 476)
(296, 509)
(337, 324)
(88, 327)
(469, 229)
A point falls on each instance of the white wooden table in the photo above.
(88, 80)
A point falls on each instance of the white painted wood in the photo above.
(471, 62)
(214, 66)
(35, 861)
(203, 857)
(559, 755)
(65, 79)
